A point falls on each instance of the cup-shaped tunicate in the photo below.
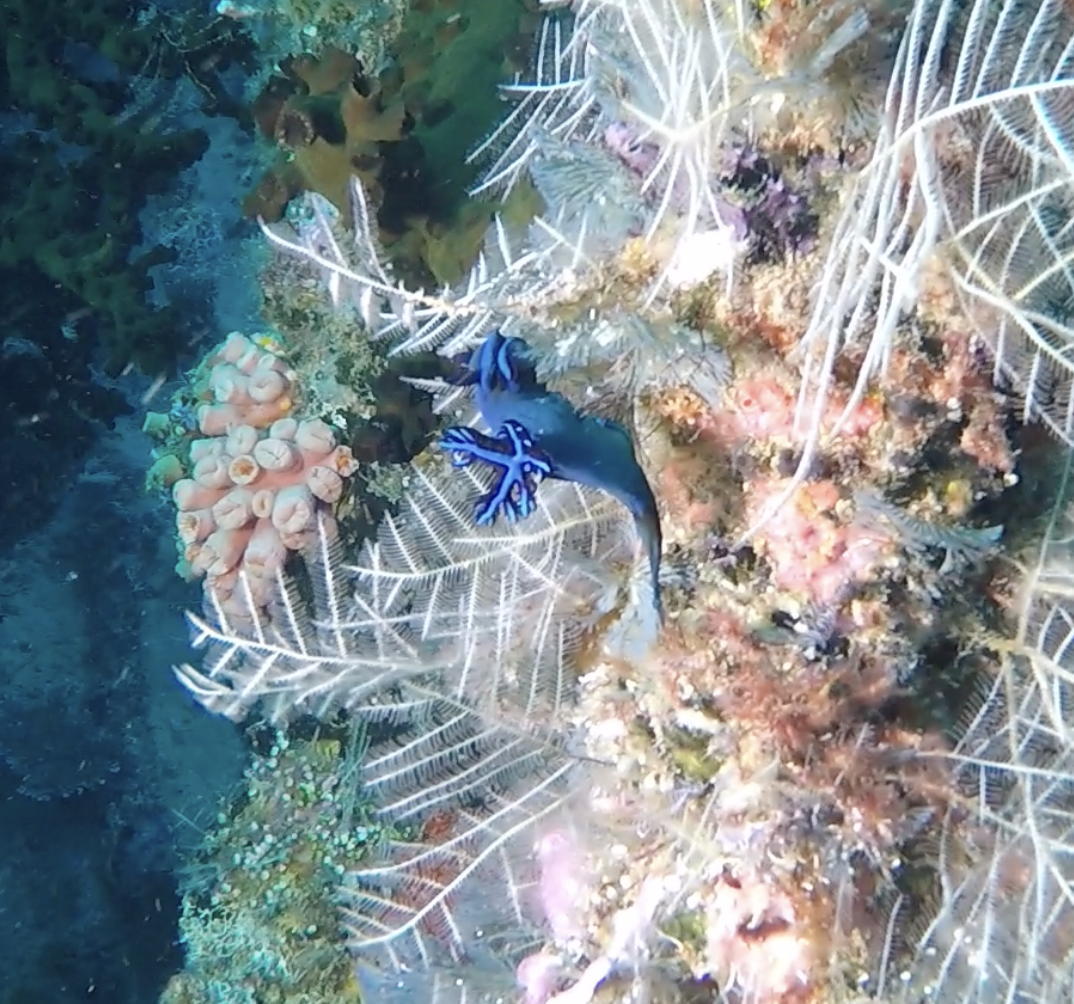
(223, 549)
(283, 428)
(195, 525)
(187, 495)
(266, 385)
(235, 509)
(247, 362)
(241, 439)
(212, 472)
(277, 455)
(326, 484)
(243, 470)
(201, 448)
(216, 419)
(235, 346)
(265, 552)
(263, 501)
(315, 436)
(229, 384)
(293, 509)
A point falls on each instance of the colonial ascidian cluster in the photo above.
(260, 475)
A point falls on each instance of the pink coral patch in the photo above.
(755, 942)
(809, 549)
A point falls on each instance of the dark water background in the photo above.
(108, 773)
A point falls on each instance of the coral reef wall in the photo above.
(802, 270)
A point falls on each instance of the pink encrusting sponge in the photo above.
(259, 477)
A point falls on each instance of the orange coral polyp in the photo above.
(243, 470)
(195, 525)
(342, 461)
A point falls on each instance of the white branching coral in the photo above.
(655, 88)
(463, 642)
(1003, 923)
(433, 594)
(535, 285)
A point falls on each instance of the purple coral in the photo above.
(777, 216)
(643, 158)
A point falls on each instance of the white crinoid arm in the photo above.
(969, 190)
(1001, 928)
(976, 163)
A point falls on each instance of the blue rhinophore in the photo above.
(497, 364)
(520, 468)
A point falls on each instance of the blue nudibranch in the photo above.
(542, 435)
